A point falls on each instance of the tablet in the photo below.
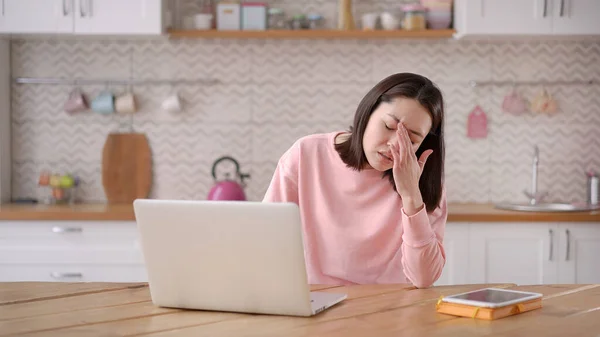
(491, 297)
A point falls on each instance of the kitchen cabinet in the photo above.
(456, 246)
(36, 16)
(478, 252)
(5, 134)
(532, 253)
(82, 17)
(521, 253)
(71, 251)
(576, 17)
(118, 17)
(502, 17)
(526, 17)
(578, 249)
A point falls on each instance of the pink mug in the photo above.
(76, 102)
(514, 103)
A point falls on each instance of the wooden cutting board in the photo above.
(126, 167)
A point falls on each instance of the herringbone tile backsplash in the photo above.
(272, 92)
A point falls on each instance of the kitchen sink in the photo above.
(548, 207)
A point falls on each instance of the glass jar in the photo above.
(276, 18)
(299, 22)
(315, 21)
(414, 17)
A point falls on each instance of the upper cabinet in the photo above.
(118, 17)
(36, 16)
(527, 17)
(113, 17)
(576, 17)
(502, 17)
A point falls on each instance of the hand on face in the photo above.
(406, 168)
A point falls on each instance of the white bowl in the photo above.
(438, 19)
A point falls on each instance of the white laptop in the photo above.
(234, 256)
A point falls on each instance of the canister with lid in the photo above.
(414, 17)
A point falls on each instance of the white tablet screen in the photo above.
(491, 296)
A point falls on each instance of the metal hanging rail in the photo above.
(112, 81)
(543, 83)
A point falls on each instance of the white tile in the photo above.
(316, 103)
(439, 61)
(310, 62)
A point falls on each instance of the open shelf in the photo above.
(314, 34)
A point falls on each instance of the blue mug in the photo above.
(104, 103)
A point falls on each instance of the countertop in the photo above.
(101, 309)
(456, 213)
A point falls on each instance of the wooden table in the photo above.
(103, 309)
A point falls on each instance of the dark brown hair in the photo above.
(423, 90)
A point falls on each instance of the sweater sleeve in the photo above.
(423, 255)
(284, 183)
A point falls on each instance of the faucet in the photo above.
(533, 195)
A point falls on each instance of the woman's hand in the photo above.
(407, 170)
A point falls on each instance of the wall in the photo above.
(273, 92)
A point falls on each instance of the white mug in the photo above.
(389, 21)
(172, 103)
(125, 104)
(369, 21)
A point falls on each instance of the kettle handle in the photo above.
(237, 168)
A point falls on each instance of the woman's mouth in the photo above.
(385, 157)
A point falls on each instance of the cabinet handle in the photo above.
(59, 275)
(562, 7)
(65, 8)
(3, 7)
(551, 232)
(89, 9)
(81, 12)
(568, 244)
(58, 229)
(545, 8)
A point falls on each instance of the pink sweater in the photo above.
(355, 230)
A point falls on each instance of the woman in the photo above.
(359, 227)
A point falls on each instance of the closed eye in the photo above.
(387, 127)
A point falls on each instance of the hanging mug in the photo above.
(104, 103)
(172, 103)
(514, 103)
(544, 103)
(126, 103)
(76, 102)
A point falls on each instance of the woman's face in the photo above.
(382, 126)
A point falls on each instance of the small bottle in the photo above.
(592, 188)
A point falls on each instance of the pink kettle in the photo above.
(228, 189)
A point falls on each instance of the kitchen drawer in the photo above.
(73, 273)
(68, 233)
(73, 255)
(103, 229)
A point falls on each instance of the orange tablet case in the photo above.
(486, 313)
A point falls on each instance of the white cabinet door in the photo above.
(579, 252)
(456, 246)
(36, 16)
(503, 16)
(577, 17)
(521, 253)
(119, 17)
